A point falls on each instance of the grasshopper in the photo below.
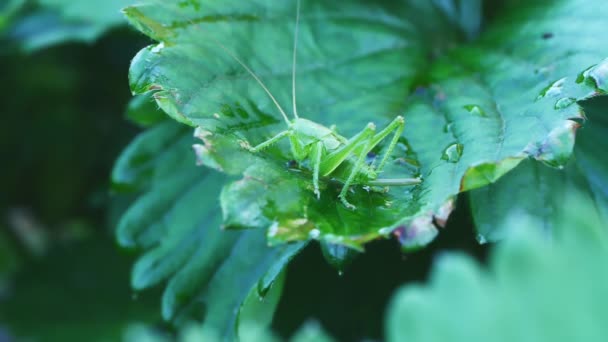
(324, 148)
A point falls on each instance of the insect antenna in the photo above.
(238, 60)
(293, 66)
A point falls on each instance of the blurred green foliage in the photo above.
(533, 290)
(62, 277)
(77, 291)
(37, 24)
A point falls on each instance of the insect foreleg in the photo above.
(315, 156)
(355, 171)
(266, 143)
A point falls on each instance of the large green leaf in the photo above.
(177, 222)
(473, 111)
(534, 290)
(540, 194)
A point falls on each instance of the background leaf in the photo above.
(54, 22)
(58, 299)
(61, 275)
(532, 283)
(177, 220)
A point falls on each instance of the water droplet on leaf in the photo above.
(338, 256)
(596, 76)
(384, 231)
(552, 90)
(447, 128)
(481, 239)
(273, 230)
(314, 234)
(555, 150)
(475, 110)
(564, 102)
(453, 153)
(158, 48)
(263, 290)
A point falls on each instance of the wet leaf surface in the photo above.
(548, 196)
(473, 111)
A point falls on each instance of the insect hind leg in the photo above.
(355, 171)
(385, 182)
(397, 125)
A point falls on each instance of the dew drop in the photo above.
(453, 153)
(600, 75)
(263, 290)
(564, 102)
(583, 75)
(384, 231)
(158, 48)
(556, 149)
(314, 233)
(475, 110)
(554, 89)
(447, 128)
(273, 230)
(596, 76)
(481, 239)
(338, 256)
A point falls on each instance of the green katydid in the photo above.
(324, 148)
